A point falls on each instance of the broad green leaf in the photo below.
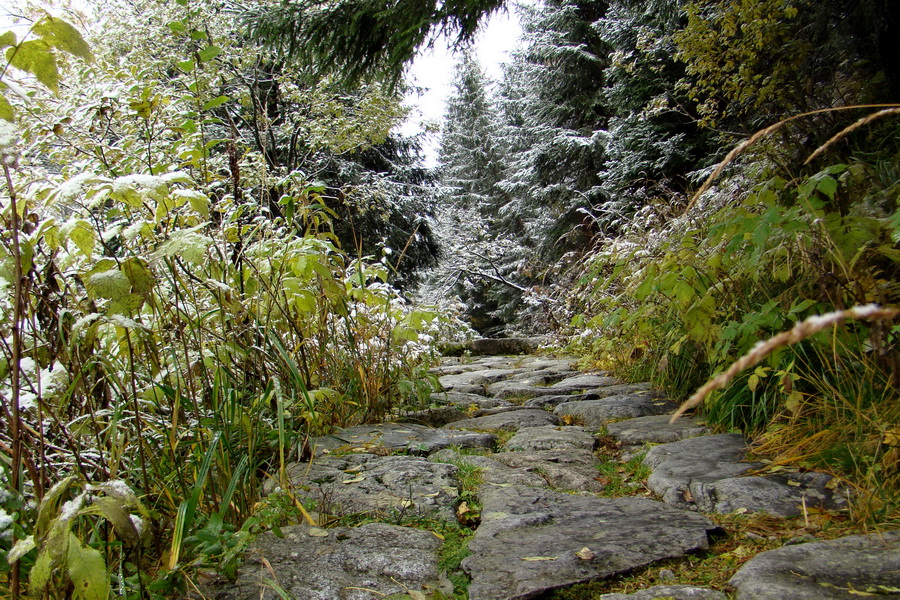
(216, 102)
(111, 284)
(8, 39)
(49, 508)
(209, 53)
(82, 235)
(186, 65)
(60, 34)
(40, 573)
(828, 186)
(21, 548)
(188, 244)
(139, 274)
(36, 57)
(114, 511)
(7, 112)
(127, 304)
(87, 570)
(177, 27)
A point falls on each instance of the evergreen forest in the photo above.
(215, 246)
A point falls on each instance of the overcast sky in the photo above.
(433, 70)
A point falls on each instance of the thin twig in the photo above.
(847, 130)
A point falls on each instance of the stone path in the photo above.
(543, 523)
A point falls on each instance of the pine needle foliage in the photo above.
(353, 40)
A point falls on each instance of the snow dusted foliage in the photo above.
(652, 142)
(554, 111)
(479, 252)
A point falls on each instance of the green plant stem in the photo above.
(15, 425)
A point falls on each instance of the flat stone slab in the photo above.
(583, 383)
(846, 568)
(549, 401)
(469, 378)
(495, 346)
(406, 437)
(550, 437)
(571, 470)
(533, 540)
(655, 429)
(436, 416)
(493, 472)
(680, 467)
(509, 420)
(366, 483)
(669, 592)
(596, 413)
(360, 563)
(703, 473)
(467, 401)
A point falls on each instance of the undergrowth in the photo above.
(769, 247)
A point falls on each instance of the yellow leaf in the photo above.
(354, 480)
(537, 558)
(892, 437)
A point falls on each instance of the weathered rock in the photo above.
(466, 401)
(531, 540)
(703, 472)
(583, 383)
(550, 437)
(655, 429)
(777, 495)
(626, 388)
(366, 483)
(493, 472)
(361, 563)
(570, 470)
(495, 346)
(669, 592)
(434, 417)
(509, 421)
(681, 467)
(561, 366)
(520, 388)
(596, 413)
(408, 437)
(470, 378)
(845, 568)
(546, 402)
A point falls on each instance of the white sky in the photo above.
(434, 70)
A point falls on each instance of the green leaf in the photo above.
(82, 235)
(40, 573)
(49, 508)
(87, 570)
(105, 280)
(186, 65)
(36, 57)
(60, 34)
(177, 27)
(21, 548)
(209, 53)
(216, 102)
(7, 112)
(114, 511)
(187, 243)
(140, 276)
(828, 186)
(7, 39)
(127, 304)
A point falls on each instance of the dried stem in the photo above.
(800, 332)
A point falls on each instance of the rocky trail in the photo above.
(525, 451)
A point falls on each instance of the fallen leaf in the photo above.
(354, 480)
(585, 554)
(538, 558)
(317, 532)
(687, 495)
(793, 483)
